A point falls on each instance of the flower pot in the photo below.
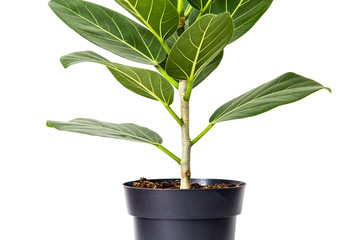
(197, 214)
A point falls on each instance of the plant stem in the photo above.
(170, 79)
(188, 90)
(175, 116)
(162, 41)
(181, 27)
(165, 46)
(202, 11)
(173, 156)
(180, 8)
(202, 134)
(176, 85)
(188, 11)
(185, 137)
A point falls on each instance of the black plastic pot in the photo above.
(201, 214)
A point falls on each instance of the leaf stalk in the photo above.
(202, 134)
(165, 46)
(173, 156)
(189, 90)
(202, 11)
(180, 8)
(175, 116)
(167, 77)
(188, 11)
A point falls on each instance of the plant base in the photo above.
(197, 214)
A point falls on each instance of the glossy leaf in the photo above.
(199, 45)
(81, 57)
(208, 69)
(160, 16)
(198, 4)
(245, 13)
(192, 17)
(110, 30)
(174, 3)
(141, 81)
(170, 42)
(125, 131)
(285, 89)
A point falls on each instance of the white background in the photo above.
(300, 161)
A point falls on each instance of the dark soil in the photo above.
(144, 183)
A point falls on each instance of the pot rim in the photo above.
(241, 184)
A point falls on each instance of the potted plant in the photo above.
(185, 42)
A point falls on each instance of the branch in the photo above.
(165, 46)
(188, 11)
(202, 11)
(167, 77)
(175, 116)
(189, 90)
(185, 137)
(202, 134)
(173, 156)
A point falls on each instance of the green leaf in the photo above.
(208, 69)
(174, 3)
(192, 17)
(170, 42)
(141, 81)
(245, 13)
(81, 57)
(186, 4)
(199, 45)
(198, 4)
(160, 16)
(110, 30)
(285, 89)
(125, 131)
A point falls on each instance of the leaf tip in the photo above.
(329, 89)
(51, 4)
(48, 124)
(63, 62)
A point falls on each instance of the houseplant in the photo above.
(185, 42)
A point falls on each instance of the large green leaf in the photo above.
(192, 17)
(110, 30)
(141, 81)
(170, 42)
(199, 45)
(208, 69)
(126, 131)
(186, 4)
(174, 3)
(245, 13)
(285, 89)
(198, 4)
(160, 16)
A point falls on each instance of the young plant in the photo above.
(184, 41)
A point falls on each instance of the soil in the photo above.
(144, 183)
